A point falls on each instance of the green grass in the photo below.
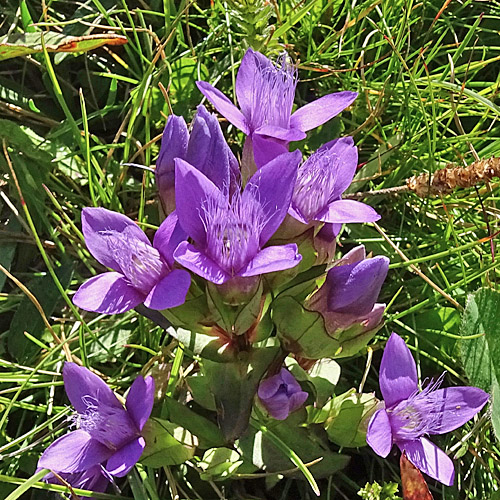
(428, 85)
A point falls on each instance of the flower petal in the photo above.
(280, 133)
(98, 224)
(174, 143)
(449, 408)
(74, 452)
(208, 150)
(346, 153)
(321, 110)
(379, 433)
(107, 293)
(140, 399)
(246, 79)
(398, 372)
(430, 459)
(278, 406)
(345, 211)
(272, 259)
(169, 292)
(272, 186)
(192, 191)
(297, 400)
(266, 149)
(126, 457)
(168, 236)
(196, 261)
(80, 383)
(224, 106)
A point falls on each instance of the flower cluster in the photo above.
(244, 268)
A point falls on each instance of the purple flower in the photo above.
(281, 394)
(349, 294)
(230, 233)
(108, 434)
(143, 272)
(205, 148)
(322, 179)
(410, 414)
(265, 92)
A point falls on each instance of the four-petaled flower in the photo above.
(143, 272)
(281, 394)
(230, 233)
(409, 414)
(265, 92)
(108, 438)
(205, 148)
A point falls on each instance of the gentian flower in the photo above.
(230, 233)
(281, 394)
(321, 180)
(143, 272)
(205, 148)
(108, 436)
(265, 92)
(409, 414)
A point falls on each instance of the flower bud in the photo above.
(281, 394)
(339, 318)
(174, 144)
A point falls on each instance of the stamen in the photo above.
(275, 93)
(316, 183)
(233, 231)
(140, 263)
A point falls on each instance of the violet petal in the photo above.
(167, 238)
(280, 133)
(97, 224)
(246, 79)
(170, 291)
(449, 408)
(126, 457)
(379, 433)
(80, 383)
(345, 211)
(107, 293)
(321, 110)
(224, 106)
(270, 259)
(266, 149)
(398, 372)
(192, 191)
(272, 186)
(140, 399)
(430, 459)
(74, 452)
(196, 261)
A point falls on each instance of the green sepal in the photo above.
(348, 418)
(166, 444)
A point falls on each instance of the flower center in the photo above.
(111, 426)
(315, 184)
(274, 93)
(140, 262)
(233, 231)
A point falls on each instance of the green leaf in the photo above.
(480, 355)
(166, 444)
(219, 464)
(23, 44)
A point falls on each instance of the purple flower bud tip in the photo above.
(281, 394)
(354, 288)
(265, 92)
(107, 441)
(143, 272)
(410, 414)
(205, 148)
